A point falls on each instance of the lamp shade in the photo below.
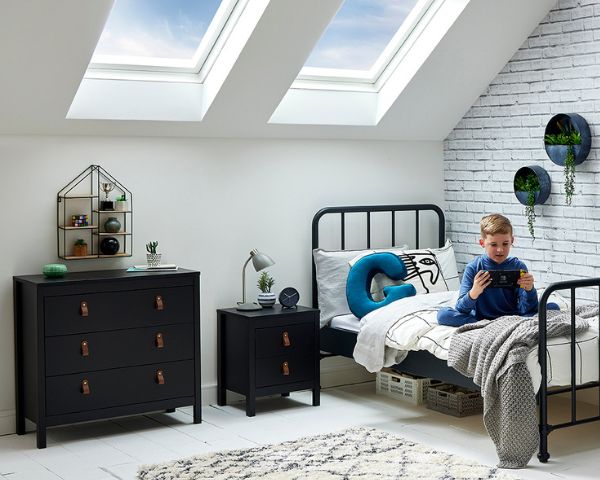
(260, 260)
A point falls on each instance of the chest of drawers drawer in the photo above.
(282, 340)
(284, 369)
(92, 312)
(120, 386)
(102, 350)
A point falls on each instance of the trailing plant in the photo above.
(531, 185)
(568, 136)
(151, 247)
(80, 241)
(265, 282)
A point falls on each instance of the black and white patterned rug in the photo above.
(358, 453)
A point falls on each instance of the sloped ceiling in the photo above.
(46, 47)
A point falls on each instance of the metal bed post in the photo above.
(543, 455)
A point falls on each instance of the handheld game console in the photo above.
(505, 278)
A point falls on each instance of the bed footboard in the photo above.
(573, 388)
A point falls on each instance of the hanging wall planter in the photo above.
(532, 187)
(568, 139)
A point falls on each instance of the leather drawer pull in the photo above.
(160, 377)
(285, 338)
(158, 302)
(83, 309)
(160, 340)
(85, 386)
(85, 348)
(285, 368)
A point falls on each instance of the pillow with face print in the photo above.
(424, 272)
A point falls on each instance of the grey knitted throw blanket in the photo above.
(493, 353)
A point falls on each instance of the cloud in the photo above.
(359, 33)
(155, 29)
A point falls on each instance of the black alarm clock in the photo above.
(289, 297)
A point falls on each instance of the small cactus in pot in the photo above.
(265, 282)
(152, 257)
(80, 248)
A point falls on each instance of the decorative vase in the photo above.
(153, 259)
(109, 246)
(112, 225)
(122, 205)
(266, 300)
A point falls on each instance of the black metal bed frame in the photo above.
(341, 342)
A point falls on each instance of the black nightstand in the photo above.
(267, 351)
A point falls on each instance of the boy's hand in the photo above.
(526, 281)
(482, 279)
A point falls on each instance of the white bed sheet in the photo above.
(436, 339)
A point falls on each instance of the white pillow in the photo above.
(447, 260)
(332, 269)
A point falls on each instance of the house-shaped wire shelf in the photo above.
(94, 217)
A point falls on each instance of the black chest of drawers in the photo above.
(269, 351)
(102, 344)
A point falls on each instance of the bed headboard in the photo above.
(367, 210)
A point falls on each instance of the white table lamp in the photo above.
(260, 261)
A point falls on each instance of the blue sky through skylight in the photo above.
(359, 33)
(156, 28)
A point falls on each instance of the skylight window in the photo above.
(161, 35)
(362, 38)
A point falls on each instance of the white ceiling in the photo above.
(46, 47)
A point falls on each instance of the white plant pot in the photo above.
(266, 300)
(153, 259)
(122, 206)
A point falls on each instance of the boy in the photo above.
(475, 300)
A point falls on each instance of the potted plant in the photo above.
(567, 141)
(121, 203)
(80, 248)
(532, 187)
(568, 138)
(152, 258)
(265, 282)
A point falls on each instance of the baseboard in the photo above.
(7, 422)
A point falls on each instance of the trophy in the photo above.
(107, 204)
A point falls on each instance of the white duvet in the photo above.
(388, 333)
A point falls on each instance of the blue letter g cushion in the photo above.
(358, 286)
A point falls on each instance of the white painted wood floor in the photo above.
(114, 449)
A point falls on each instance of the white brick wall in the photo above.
(557, 70)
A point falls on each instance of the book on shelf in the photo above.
(159, 268)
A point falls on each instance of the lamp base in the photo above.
(247, 307)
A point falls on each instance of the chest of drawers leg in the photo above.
(272, 351)
(94, 345)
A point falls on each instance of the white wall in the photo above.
(555, 71)
(208, 202)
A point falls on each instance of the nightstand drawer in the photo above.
(297, 339)
(102, 350)
(118, 310)
(122, 386)
(284, 369)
